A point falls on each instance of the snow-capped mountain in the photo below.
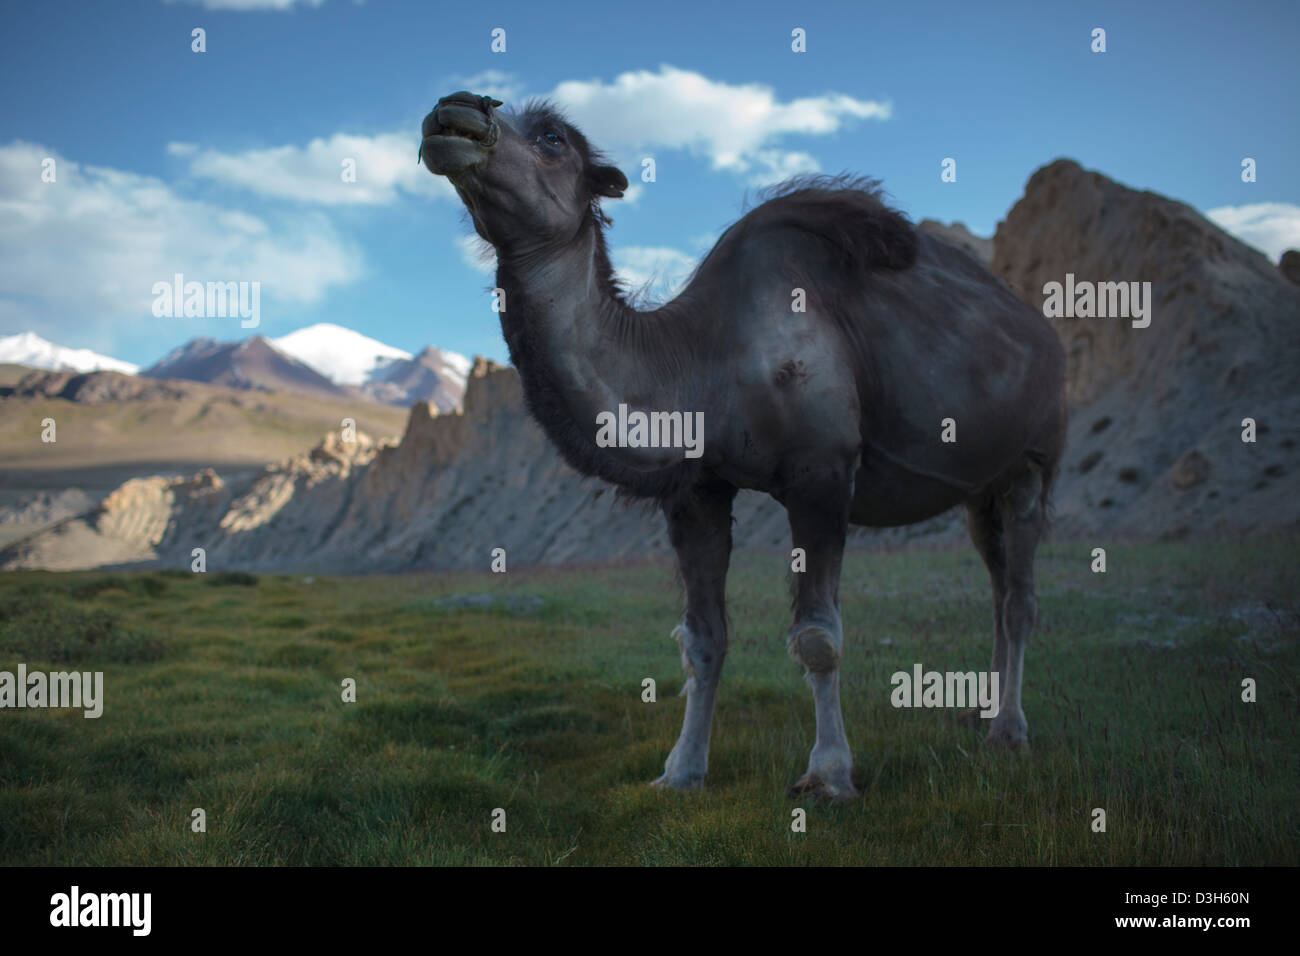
(382, 372)
(28, 348)
(343, 356)
(432, 376)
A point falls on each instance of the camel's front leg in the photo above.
(819, 511)
(699, 526)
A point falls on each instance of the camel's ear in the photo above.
(607, 181)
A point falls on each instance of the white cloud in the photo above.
(81, 252)
(777, 166)
(504, 86)
(657, 272)
(1271, 227)
(734, 126)
(384, 165)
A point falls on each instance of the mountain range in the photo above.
(253, 364)
(323, 360)
(28, 348)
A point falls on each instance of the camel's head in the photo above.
(527, 178)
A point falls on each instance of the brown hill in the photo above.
(93, 388)
(108, 419)
(253, 364)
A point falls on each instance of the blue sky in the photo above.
(224, 165)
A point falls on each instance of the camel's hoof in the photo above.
(1009, 735)
(681, 773)
(811, 786)
(816, 649)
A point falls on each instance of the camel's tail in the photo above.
(1048, 461)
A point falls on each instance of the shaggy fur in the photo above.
(835, 410)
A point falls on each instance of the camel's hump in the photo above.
(847, 216)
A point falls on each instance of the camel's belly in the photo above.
(885, 496)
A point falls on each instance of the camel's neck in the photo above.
(557, 321)
(582, 351)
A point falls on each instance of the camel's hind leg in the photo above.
(819, 514)
(984, 521)
(1020, 509)
(699, 526)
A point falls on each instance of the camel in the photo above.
(835, 354)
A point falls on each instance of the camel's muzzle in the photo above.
(459, 133)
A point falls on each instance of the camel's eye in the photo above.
(551, 138)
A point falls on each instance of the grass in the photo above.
(224, 692)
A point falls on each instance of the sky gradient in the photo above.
(225, 165)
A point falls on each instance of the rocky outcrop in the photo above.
(456, 487)
(48, 507)
(125, 528)
(1155, 443)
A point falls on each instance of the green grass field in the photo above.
(223, 692)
